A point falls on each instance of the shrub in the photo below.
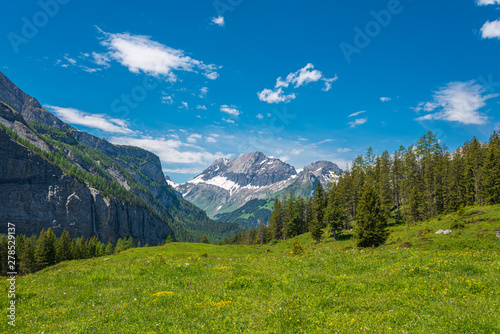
(297, 247)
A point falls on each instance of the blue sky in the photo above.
(197, 80)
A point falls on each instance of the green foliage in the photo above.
(371, 222)
(318, 211)
(335, 215)
(109, 248)
(63, 247)
(297, 247)
(204, 240)
(45, 251)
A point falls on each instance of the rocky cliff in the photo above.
(54, 175)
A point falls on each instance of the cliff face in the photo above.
(34, 194)
(54, 182)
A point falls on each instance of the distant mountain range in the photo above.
(242, 190)
(52, 175)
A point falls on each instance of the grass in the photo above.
(419, 282)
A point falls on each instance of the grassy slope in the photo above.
(440, 284)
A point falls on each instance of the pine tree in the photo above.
(261, 233)
(63, 247)
(371, 222)
(491, 171)
(169, 239)
(384, 183)
(129, 243)
(318, 213)
(204, 240)
(27, 256)
(335, 214)
(109, 248)
(276, 221)
(416, 205)
(45, 252)
(81, 248)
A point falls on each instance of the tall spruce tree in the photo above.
(27, 256)
(371, 222)
(45, 252)
(491, 171)
(335, 215)
(318, 210)
(276, 221)
(63, 247)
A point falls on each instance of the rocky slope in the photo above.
(138, 199)
(241, 190)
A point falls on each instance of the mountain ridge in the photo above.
(133, 172)
(248, 183)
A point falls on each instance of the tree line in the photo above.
(40, 251)
(412, 184)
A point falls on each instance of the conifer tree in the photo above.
(384, 182)
(335, 213)
(27, 257)
(81, 248)
(276, 221)
(204, 240)
(109, 248)
(63, 247)
(371, 222)
(318, 213)
(45, 252)
(261, 233)
(491, 171)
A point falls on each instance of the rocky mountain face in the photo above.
(47, 173)
(240, 190)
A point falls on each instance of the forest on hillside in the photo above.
(412, 184)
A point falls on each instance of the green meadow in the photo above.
(419, 282)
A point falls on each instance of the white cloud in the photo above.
(284, 158)
(96, 121)
(357, 122)
(487, 2)
(230, 110)
(194, 137)
(184, 105)
(385, 99)
(297, 151)
(230, 121)
(302, 77)
(167, 99)
(343, 150)
(203, 92)
(457, 102)
(491, 29)
(259, 116)
(219, 20)
(201, 107)
(275, 96)
(171, 151)
(183, 170)
(101, 59)
(357, 113)
(211, 140)
(141, 54)
(70, 60)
